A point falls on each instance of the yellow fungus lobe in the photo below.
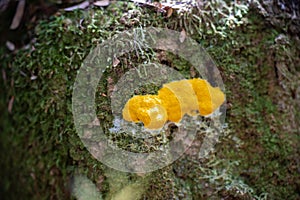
(173, 101)
(178, 98)
(147, 109)
(209, 98)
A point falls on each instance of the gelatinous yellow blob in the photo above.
(158, 117)
(209, 98)
(147, 109)
(173, 101)
(178, 98)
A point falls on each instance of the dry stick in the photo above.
(18, 16)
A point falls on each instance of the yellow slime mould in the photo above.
(173, 101)
(147, 109)
(178, 98)
(209, 98)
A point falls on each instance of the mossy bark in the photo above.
(257, 155)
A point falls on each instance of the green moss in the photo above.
(254, 116)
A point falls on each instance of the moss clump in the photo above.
(40, 137)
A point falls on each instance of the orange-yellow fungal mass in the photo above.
(173, 101)
(178, 98)
(145, 108)
(209, 98)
